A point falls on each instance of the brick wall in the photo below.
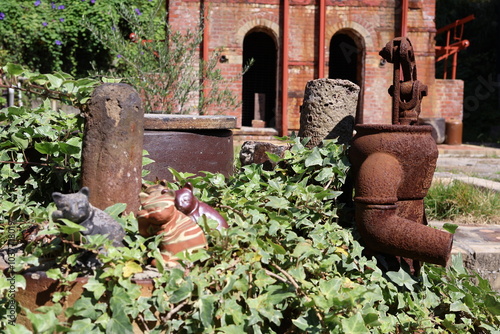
(371, 23)
(449, 98)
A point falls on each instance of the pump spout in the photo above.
(385, 231)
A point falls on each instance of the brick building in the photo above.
(294, 41)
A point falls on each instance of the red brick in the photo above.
(373, 22)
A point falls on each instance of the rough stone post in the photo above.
(112, 146)
(328, 110)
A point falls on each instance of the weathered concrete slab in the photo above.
(188, 122)
(480, 249)
(468, 151)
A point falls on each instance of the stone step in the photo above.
(480, 249)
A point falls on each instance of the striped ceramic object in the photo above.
(160, 216)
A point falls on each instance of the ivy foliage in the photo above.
(283, 266)
(48, 36)
(39, 154)
(40, 148)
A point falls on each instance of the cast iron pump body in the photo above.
(393, 166)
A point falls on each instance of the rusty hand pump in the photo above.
(393, 166)
(406, 91)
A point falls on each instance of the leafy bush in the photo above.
(40, 153)
(48, 36)
(91, 37)
(283, 266)
(40, 147)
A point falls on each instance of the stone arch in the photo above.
(356, 29)
(251, 27)
(258, 24)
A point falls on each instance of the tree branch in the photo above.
(174, 310)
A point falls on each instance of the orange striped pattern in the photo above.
(160, 216)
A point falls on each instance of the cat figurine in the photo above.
(76, 208)
(158, 215)
(187, 203)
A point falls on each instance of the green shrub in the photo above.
(49, 36)
(40, 147)
(90, 37)
(283, 266)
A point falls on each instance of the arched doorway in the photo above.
(344, 58)
(346, 62)
(259, 82)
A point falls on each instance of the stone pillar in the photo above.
(112, 146)
(328, 110)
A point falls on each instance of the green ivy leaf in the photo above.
(120, 321)
(55, 82)
(277, 202)
(402, 278)
(325, 174)
(492, 304)
(19, 141)
(273, 157)
(450, 227)
(354, 324)
(82, 326)
(183, 292)
(85, 307)
(47, 147)
(43, 322)
(314, 159)
(116, 209)
(13, 69)
(278, 249)
(69, 149)
(330, 289)
(68, 227)
(206, 307)
(96, 287)
(16, 329)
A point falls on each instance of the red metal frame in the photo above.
(454, 44)
(284, 65)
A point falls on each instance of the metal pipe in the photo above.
(205, 42)
(454, 67)
(11, 97)
(383, 230)
(321, 42)
(404, 18)
(19, 96)
(284, 65)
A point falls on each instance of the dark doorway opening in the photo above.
(259, 82)
(344, 59)
(347, 61)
